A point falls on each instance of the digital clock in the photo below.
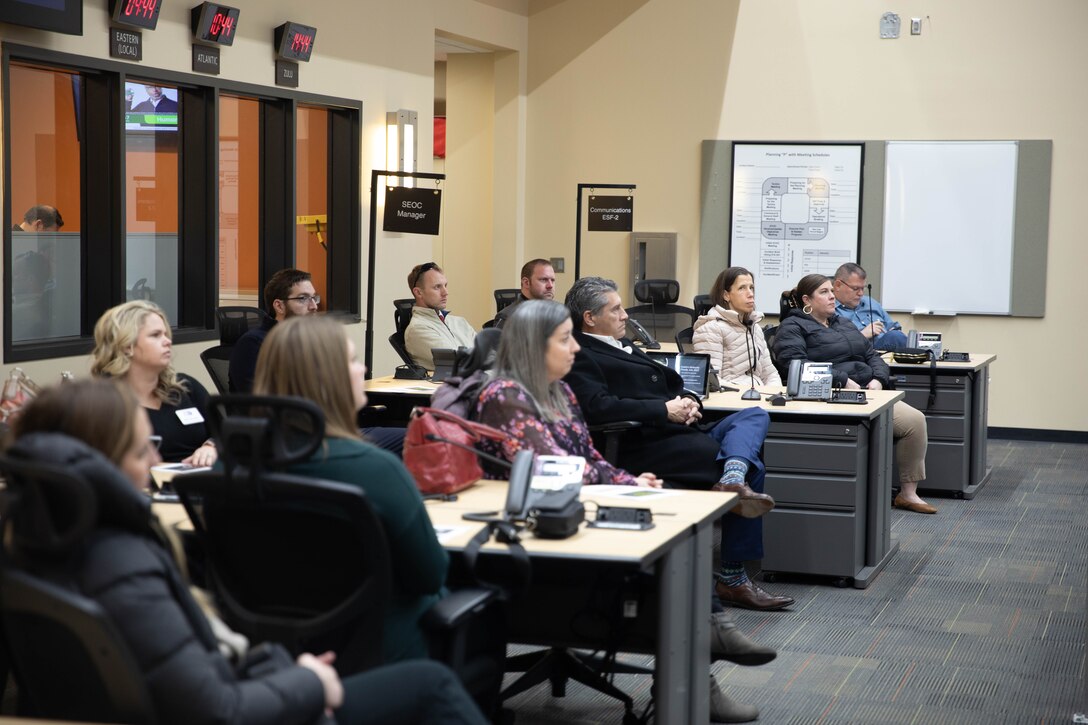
(136, 13)
(294, 41)
(214, 23)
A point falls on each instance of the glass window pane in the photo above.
(152, 263)
(239, 201)
(46, 257)
(312, 195)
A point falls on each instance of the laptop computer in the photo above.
(694, 368)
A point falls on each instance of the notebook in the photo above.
(694, 368)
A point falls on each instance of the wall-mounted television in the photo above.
(149, 107)
(61, 16)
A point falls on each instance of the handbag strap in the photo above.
(477, 430)
(507, 533)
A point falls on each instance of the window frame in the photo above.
(103, 212)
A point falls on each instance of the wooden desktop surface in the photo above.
(876, 402)
(389, 384)
(979, 360)
(674, 514)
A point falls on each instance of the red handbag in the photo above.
(438, 466)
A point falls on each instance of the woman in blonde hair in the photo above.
(312, 357)
(133, 344)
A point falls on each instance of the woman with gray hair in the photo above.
(528, 400)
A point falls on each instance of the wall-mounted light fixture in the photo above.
(400, 140)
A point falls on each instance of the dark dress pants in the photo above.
(410, 692)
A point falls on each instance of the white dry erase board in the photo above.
(949, 217)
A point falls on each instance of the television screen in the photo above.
(150, 108)
(62, 16)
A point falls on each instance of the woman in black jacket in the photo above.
(126, 565)
(813, 331)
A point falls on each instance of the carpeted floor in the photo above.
(980, 618)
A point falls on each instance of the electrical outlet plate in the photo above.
(915, 26)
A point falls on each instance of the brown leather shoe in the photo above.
(915, 506)
(749, 596)
(750, 505)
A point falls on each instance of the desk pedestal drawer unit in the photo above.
(823, 476)
(957, 420)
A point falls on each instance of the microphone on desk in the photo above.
(751, 393)
(869, 289)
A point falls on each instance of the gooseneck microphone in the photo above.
(869, 289)
(751, 355)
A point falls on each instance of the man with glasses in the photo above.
(288, 293)
(865, 312)
(291, 293)
(432, 326)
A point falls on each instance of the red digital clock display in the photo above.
(294, 41)
(214, 23)
(136, 13)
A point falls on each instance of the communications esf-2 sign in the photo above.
(416, 211)
(611, 213)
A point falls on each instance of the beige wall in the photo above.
(631, 91)
(624, 91)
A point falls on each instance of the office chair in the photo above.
(701, 304)
(69, 661)
(402, 315)
(505, 298)
(659, 312)
(684, 339)
(268, 538)
(236, 321)
(217, 362)
(769, 331)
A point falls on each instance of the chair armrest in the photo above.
(612, 432)
(455, 608)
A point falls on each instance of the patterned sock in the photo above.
(735, 471)
(732, 574)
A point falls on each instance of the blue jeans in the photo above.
(741, 435)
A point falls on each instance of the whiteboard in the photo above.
(795, 211)
(949, 209)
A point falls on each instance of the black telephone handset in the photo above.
(642, 336)
(793, 379)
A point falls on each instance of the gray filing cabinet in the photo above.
(957, 422)
(830, 479)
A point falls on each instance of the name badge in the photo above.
(190, 416)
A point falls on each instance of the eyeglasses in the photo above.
(857, 290)
(423, 269)
(305, 299)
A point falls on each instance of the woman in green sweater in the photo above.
(312, 357)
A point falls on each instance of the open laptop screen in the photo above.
(692, 366)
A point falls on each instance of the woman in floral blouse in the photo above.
(528, 399)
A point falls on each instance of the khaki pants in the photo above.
(911, 438)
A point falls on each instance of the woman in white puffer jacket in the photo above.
(731, 335)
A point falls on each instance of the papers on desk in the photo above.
(407, 389)
(165, 473)
(630, 492)
(446, 534)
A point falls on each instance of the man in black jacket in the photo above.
(615, 381)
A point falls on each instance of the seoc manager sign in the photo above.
(416, 211)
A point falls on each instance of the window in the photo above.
(45, 200)
(171, 187)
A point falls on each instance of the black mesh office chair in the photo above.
(69, 661)
(505, 298)
(684, 339)
(402, 315)
(217, 362)
(701, 304)
(659, 313)
(269, 538)
(236, 321)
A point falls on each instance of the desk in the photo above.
(829, 468)
(957, 422)
(675, 556)
(399, 397)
